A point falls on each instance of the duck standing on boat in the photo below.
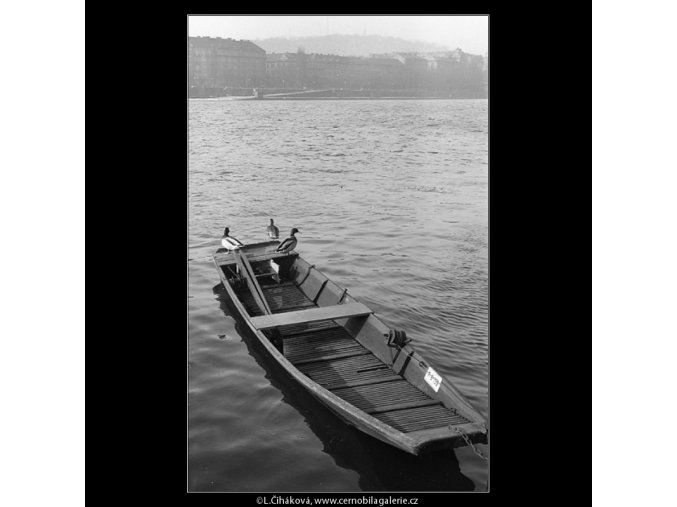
(288, 244)
(230, 243)
(273, 231)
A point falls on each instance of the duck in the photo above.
(273, 232)
(288, 244)
(229, 242)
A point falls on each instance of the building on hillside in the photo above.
(385, 72)
(216, 63)
(326, 71)
(230, 67)
(417, 74)
(317, 71)
(286, 70)
(485, 73)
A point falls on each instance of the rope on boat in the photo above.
(467, 441)
(397, 338)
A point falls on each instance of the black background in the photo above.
(540, 141)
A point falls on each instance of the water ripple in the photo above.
(391, 201)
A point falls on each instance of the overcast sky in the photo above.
(470, 33)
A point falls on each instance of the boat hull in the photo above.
(404, 363)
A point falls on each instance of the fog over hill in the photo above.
(347, 45)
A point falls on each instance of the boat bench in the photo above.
(311, 315)
(227, 259)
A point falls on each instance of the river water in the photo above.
(391, 200)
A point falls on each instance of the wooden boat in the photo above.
(335, 347)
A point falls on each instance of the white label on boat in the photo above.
(433, 379)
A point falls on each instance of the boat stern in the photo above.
(450, 437)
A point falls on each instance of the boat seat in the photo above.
(311, 315)
(226, 259)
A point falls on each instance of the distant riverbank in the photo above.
(333, 93)
(362, 98)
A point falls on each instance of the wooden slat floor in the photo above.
(281, 298)
(328, 355)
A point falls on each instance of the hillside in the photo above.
(346, 45)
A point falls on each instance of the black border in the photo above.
(136, 218)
